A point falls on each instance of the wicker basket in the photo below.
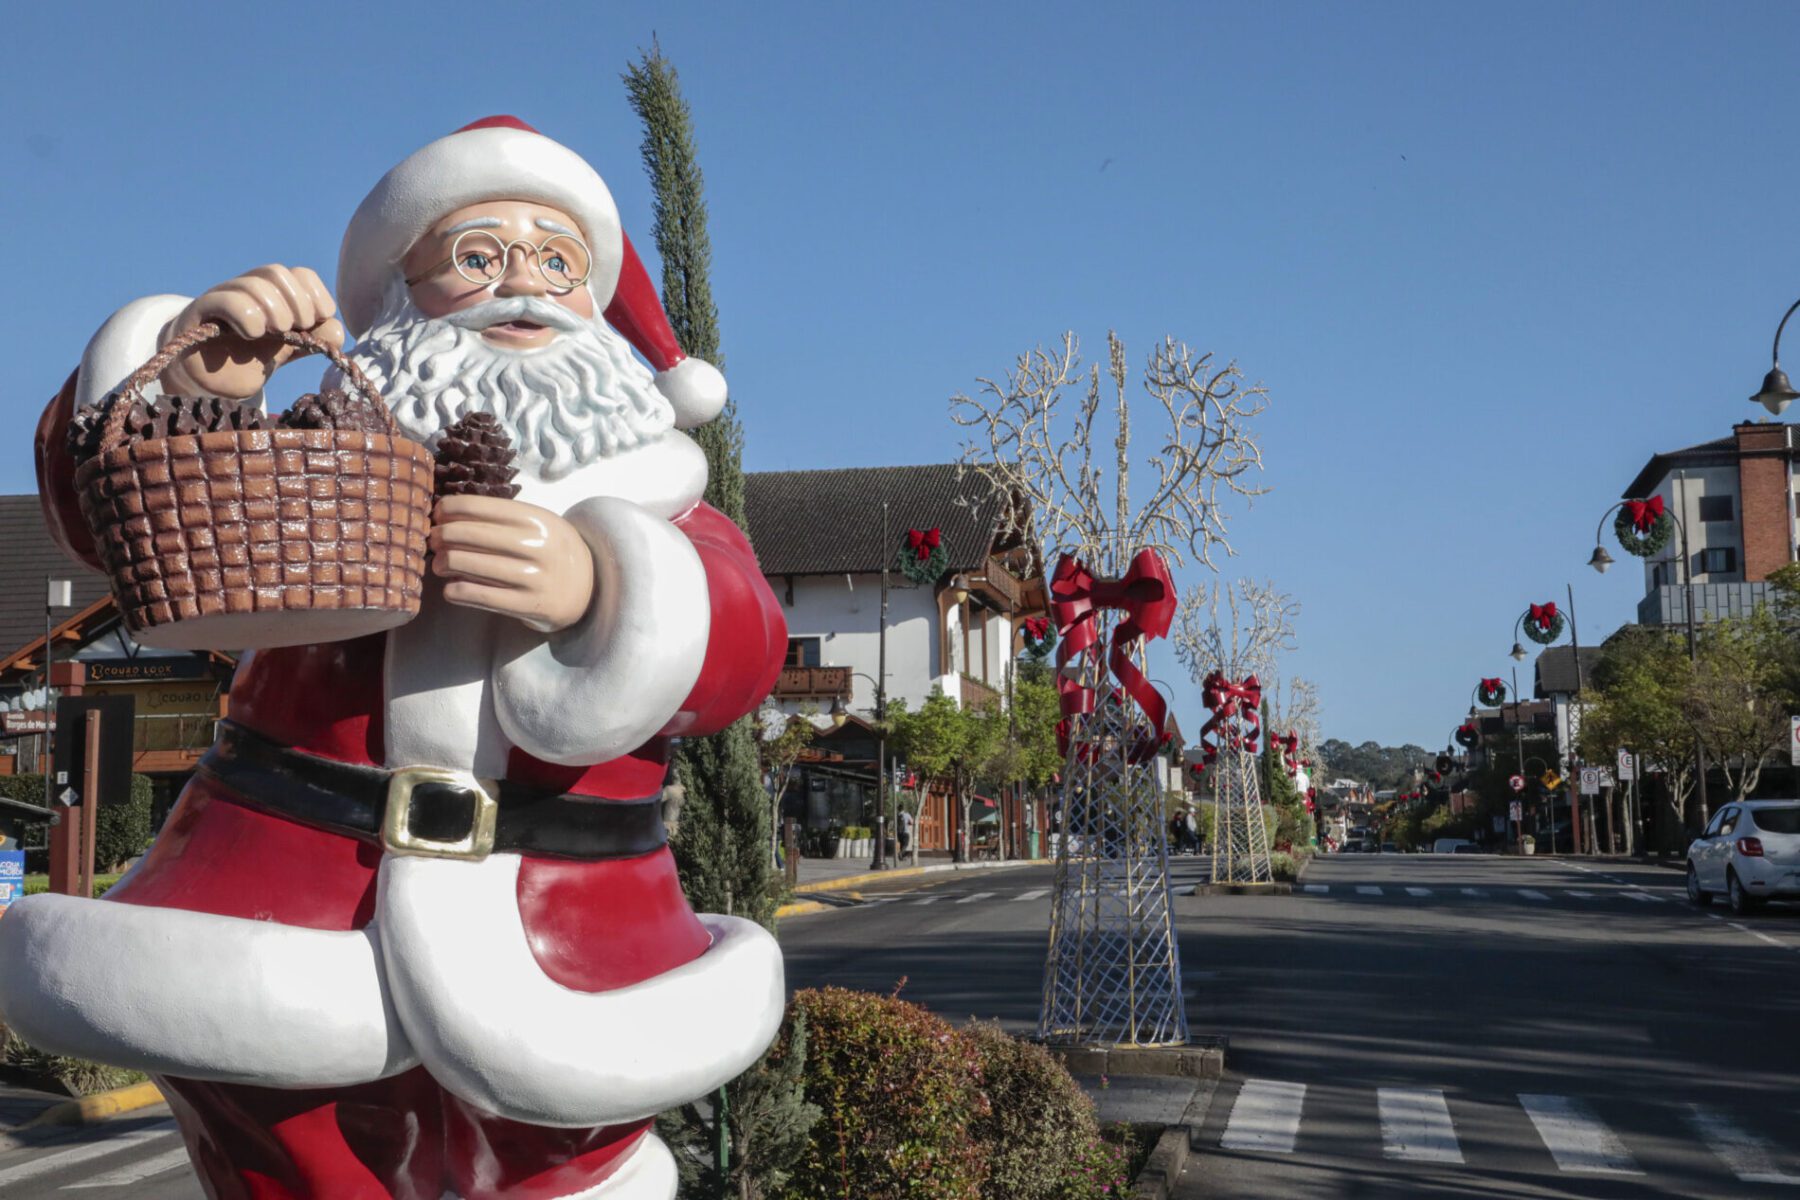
(256, 538)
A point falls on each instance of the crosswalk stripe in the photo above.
(77, 1154)
(927, 900)
(1744, 1154)
(1640, 897)
(1531, 895)
(1034, 894)
(1474, 891)
(1317, 889)
(1415, 1125)
(1576, 1137)
(1265, 1117)
(975, 897)
(1368, 889)
(1579, 895)
(142, 1169)
(1415, 891)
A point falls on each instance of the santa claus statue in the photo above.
(414, 930)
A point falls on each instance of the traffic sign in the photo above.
(68, 796)
(1515, 811)
(1593, 779)
(1794, 741)
(1517, 784)
(1627, 765)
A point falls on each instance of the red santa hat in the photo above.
(503, 158)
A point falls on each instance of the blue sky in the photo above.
(1486, 260)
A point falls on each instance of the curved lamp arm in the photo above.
(1776, 392)
(1602, 560)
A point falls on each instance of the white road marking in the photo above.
(1744, 1154)
(1368, 889)
(1576, 1137)
(881, 899)
(1579, 895)
(1474, 891)
(1531, 895)
(975, 897)
(1317, 889)
(1759, 936)
(928, 900)
(1265, 1117)
(1413, 891)
(1647, 897)
(142, 1169)
(1034, 894)
(98, 1148)
(1415, 1125)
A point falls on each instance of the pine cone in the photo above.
(335, 409)
(165, 416)
(475, 458)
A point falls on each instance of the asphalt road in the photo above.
(1401, 1026)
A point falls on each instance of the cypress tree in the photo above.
(721, 846)
(757, 1124)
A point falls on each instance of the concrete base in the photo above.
(1201, 1058)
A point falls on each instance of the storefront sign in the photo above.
(24, 722)
(12, 877)
(147, 670)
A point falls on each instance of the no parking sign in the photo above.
(1794, 741)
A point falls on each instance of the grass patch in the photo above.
(35, 884)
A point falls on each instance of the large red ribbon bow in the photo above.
(1644, 514)
(923, 544)
(1146, 594)
(1230, 704)
(1491, 685)
(1544, 615)
(1037, 628)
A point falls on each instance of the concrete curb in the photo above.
(1169, 1157)
(97, 1107)
(848, 882)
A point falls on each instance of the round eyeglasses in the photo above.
(481, 257)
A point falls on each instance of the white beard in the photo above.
(578, 400)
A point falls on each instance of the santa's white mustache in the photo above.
(502, 309)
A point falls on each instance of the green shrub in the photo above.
(1040, 1136)
(124, 828)
(1283, 867)
(21, 1059)
(899, 1090)
(41, 883)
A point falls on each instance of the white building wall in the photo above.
(844, 611)
(1681, 492)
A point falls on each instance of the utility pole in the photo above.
(882, 799)
(1574, 722)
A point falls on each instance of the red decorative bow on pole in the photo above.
(1644, 514)
(1291, 752)
(1544, 615)
(1491, 685)
(1236, 709)
(1146, 594)
(1037, 628)
(923, 543)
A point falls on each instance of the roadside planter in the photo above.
(1528, 845)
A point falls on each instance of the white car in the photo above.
(1750, 852)
(1453, 846)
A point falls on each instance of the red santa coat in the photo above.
(308, 1001)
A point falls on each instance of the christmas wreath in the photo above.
(1490, 692)
(1039, 636)
(1643, 528)
(923, 558)
(1467, 736)
(1543, 624)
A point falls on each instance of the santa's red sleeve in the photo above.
(747, 642)
(56, 479)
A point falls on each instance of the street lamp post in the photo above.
(57, 594)
(1602, 560)
(1776, 392)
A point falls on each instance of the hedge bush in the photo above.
(899, 1090)
(124, 828)
(1040, 1136)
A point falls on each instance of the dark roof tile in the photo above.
(27, 558)
(829, 521)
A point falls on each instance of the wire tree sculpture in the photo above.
(1230, 638)
(1040, 437)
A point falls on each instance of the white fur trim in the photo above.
(647, 1172)
(695, 389)
(492, 1028)
(606, 685)
(122, 345)
(199, 996)
(665, 477)
(466, 168)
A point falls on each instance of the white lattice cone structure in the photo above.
(1240, 848)
(1113, 975)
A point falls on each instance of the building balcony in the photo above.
(976, 694)
(813, 683)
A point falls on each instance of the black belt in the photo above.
(428, 811)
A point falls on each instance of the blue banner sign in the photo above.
(12, 877)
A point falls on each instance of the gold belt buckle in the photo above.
(397, 835)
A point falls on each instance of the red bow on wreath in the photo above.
(1644, 514)
(923, 544)
(1037, 628)
(1228, 702)
(1146, 594)
(1491, 685)
(1544, 615)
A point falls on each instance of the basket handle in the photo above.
(113, 435)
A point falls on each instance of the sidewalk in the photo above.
(828, 876)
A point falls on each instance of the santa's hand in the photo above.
(513, 558)
(269, 300)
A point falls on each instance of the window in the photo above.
(1717, 822)
(802, 652)
(1728, 822)
(1715, 508)
(1720, 560)
(1785, 819)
